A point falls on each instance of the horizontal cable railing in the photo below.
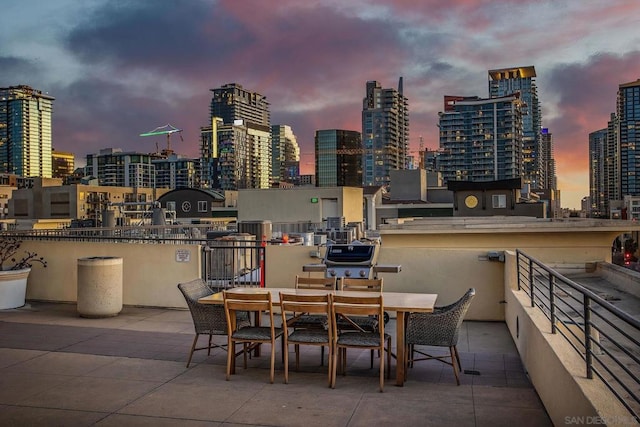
(605, 337)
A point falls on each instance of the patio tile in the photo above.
(63, 363)
(140, 370)
(119, 420)
(492, 416)
(214, 402)
(282, 406)
(28, 416)
(91, 394)
(506, 397)
(11, 356)
(15, 387)
(381, 410)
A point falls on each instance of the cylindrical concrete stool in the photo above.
(99, 286)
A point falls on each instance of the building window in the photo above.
(202, 206)
(499, 201)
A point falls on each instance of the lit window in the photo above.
(499, 201)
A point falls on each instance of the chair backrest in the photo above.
(206, 318)
(303, 282)
(304, 304)
(365, 305)
(440, 328)
(194, 290)
(235, 301)
(352, 284)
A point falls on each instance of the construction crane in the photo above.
(164, 130)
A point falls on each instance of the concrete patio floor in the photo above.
(59, 369)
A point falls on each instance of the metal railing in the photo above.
(232, 263)
(166, 234)
(607, 338)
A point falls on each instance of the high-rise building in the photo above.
(176, 171)
(612, 164)
(385, 133)
(62, 164)
(246, 130)
(628, 113)
(25, 132)
(597, 146)
(505, 81)
(113, 167)
(620, 165)
(481, 139)
(338, 158)
(285, 155)
(548, 178)
(232, 102)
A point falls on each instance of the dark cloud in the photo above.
(586, 95)
(164, 35)
(17, 71)
(95, 114)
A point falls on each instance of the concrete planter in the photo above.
(13, 288)
(99, 286)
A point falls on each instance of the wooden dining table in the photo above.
(399, 302)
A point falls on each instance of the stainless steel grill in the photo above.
(356, 260)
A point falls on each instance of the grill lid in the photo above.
(352, 254)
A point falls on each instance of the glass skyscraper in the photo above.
(628, 113)
(481, 139)
(385, 133)
(338, 158)
(25, 132)
(505, 81)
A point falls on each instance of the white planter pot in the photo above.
(13, 288)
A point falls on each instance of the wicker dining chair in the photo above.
(440, 329)
(250, 336)
(343, 307)
(292, 305)
(208, 319)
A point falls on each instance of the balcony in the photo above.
(56, 364)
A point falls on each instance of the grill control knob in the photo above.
(363, 273)
(347, 273)
(332, 272)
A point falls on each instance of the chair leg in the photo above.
(334, 366)
(329, 363)
(454, 364)
(286, 361)
(455, 348)
(244, 354)
(231, 354)
(209, 348)
(344, 361)
(389, 358)
(273, 361)
(297, 350)
(372, 357)
(193, 347)
(322, 356)
(381, 373)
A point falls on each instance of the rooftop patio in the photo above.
(130, 370)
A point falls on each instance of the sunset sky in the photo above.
(120, 68)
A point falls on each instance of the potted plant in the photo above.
(14, 272)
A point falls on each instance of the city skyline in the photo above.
(117, 69)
